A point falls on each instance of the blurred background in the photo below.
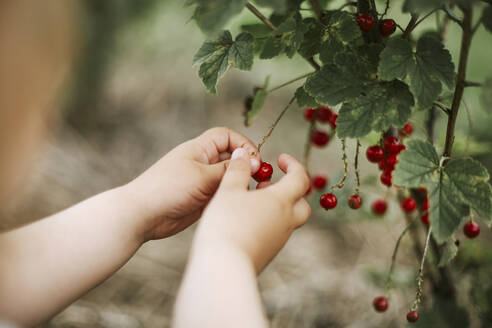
(134, 95)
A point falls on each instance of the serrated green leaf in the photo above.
(395, 59)
(304, 99)
(436, 59)
(212, 15)
(311, 44)
(370, 54)
(487, 18)
(216, 56)
(382, 105)
(449, 252)
(453, 189)
(423, 85)
(257, 30)
(486, 96)
(287, 38)
(338, 82)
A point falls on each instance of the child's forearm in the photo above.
(219, 290)
(48, 264)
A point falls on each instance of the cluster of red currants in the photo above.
(323, 114)
(367, 21)
(387, 156)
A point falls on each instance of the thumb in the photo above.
(238, 172)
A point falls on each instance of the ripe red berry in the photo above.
(471, 229)
(387, 178)
(375, 154)
(328, 201)
(380, 303)
(264, 173)
(355, 202)
(379, 206)
(309, 114)
(389, 163)
(319, 182)
(406, 130)
(412, 316)
(320, 138)
(333, 120)
(425, 219)
(324, 114)
(408, 204)
(392, 145)
(387, 27)
(366, 22)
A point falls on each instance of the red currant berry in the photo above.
(380, 304)
(319, 182)
(379, 206)
(355, 202)
(389, 163)
(387, 178)
(366, 22)
(333, 120)
(309, 114)
(375, 154)
(387, 27)
(408, 204)
(406, 130)
(320, 138)
(328, 201)
(392, 145)
(264, 173)
(425, 219)
(324, 114)
(412, 316)
(471, 229)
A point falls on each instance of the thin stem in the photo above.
(340, 184)
(386, 8)
(272, 27)
(258, 14)
(269, 133)
(410, 26)
(452, 16)
(472, 84)
(420, 277)
(356, 167)
(289, 82)
(442, 107)
(393, 257)
(460, 83)
(423, 18)
(318, 11)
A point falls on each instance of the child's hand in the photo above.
(256, 223)
(172, 194)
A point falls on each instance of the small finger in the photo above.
(264, 184)
(302, 212)
(295, 183)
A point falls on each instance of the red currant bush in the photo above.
(375, 154)
(412, 316)
(319, 182)
(324, 114)
(408, 205)
(366, 22)
(392, 145)
(355, 202)
(320, 138)
(328, 201)
(264, 173)
(379, 206)
(387, 27)
(380, 304)
(471, 229)
(309, 114)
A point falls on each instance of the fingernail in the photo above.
(255, 165)
(238, 152)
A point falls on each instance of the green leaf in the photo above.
(338, 82)
(311, 44)
(212, 15)
(383, 104)
(453, 189)
(395, 59)
(487, 18)
(216, 56)
(449, 252)
(257, 30)
(486, 96)
(258, 102)
(428, 67)
(304, 99)
(287, 38)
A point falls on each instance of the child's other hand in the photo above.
(255, 223)
(172, 194)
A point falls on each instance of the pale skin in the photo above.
(47, 265)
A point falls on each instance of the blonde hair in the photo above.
(36, 51)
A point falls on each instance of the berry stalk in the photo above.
(345, 166)
(274, 125)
